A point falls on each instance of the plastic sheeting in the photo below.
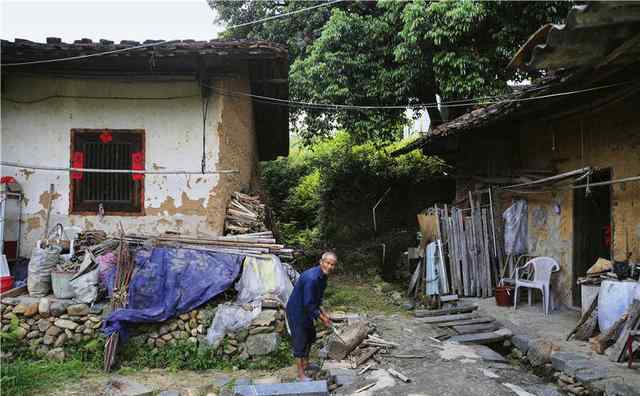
(515, 228)
(42, 262)
(433, 264)
(262, 277)
(169, 282)
(85, 283)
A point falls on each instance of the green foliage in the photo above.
(331, 187)
(390, 53)
(9, 338)
(27, 374)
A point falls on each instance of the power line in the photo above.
(284, 15)
(458, 103)
(31, 101)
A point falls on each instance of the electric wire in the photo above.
(284, 15)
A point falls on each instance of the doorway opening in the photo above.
(591, 228)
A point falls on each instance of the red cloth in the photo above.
(77, 161)
(137, 163)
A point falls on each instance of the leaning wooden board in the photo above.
(421, 313)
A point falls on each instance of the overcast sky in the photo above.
(113, 20)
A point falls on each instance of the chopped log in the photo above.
(351, 337)
(476, 328)
(603, 341)
(445, 311)
(401, 376)
(618, 350)
(484, 319)
(482, 338)
(366, 356)
(587, 323)
(448, 318)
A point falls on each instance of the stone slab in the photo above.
(559, 359)
(521, 342)
(590, 375)
(120, 386)
(618, 389)
(573, 366)
(311, 388)
(488, 354)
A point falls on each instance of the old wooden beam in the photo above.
(421, 313)
(476, 328)
(482, 338)
(447, 318)
(399, 375)
(483, 319)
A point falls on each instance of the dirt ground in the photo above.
(442, 369)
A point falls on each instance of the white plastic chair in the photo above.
(542, 269)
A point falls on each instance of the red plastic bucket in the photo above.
(504, 296)
(6, 283)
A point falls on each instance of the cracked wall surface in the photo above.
(39, 133)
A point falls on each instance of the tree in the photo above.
(390, 53)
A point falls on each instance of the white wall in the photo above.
(39, 133)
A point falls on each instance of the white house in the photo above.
(157, 108)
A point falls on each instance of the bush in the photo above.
(323, 196)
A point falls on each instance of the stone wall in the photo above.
(48, 325)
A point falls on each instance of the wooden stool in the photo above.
(633, 335)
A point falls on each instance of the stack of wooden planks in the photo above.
(245, 214)
(462, 324)
(247, 244)
(470, 250)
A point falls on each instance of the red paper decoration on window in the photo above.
(77, 161)
(137, 163)
(106, 137)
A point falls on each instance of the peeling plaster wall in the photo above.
(39, 133)
(609, 138)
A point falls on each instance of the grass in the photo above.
(27, 375)
(357, 295)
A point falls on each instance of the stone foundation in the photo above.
(48, 324)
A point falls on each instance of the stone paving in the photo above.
(543, 340)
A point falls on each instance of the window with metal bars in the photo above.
(117, 193)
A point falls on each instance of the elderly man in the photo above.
(304, 308)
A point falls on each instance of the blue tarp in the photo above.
(169, 282)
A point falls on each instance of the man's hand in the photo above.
(325, 319)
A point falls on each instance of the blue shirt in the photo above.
(304, 303)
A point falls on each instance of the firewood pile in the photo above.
(613, 342)
(246, 214)
(610, 270)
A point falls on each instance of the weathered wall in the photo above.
(39, 133)
(609, 138)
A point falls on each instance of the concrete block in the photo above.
(311, 388)
(594, 374)
(521, 342)
(573, 366)
(540, 352)
(560, 359)
(169, 393)
(618, 389)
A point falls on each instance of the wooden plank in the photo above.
(447, 318)
(449, 298)
(16, 291)
(482, 319)
(633, 320)
(421, 313)
(476, 328)
(464, 268)
(482, 338)
(487, 256)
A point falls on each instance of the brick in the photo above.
(311, 388)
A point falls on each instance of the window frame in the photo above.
(72, 182)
